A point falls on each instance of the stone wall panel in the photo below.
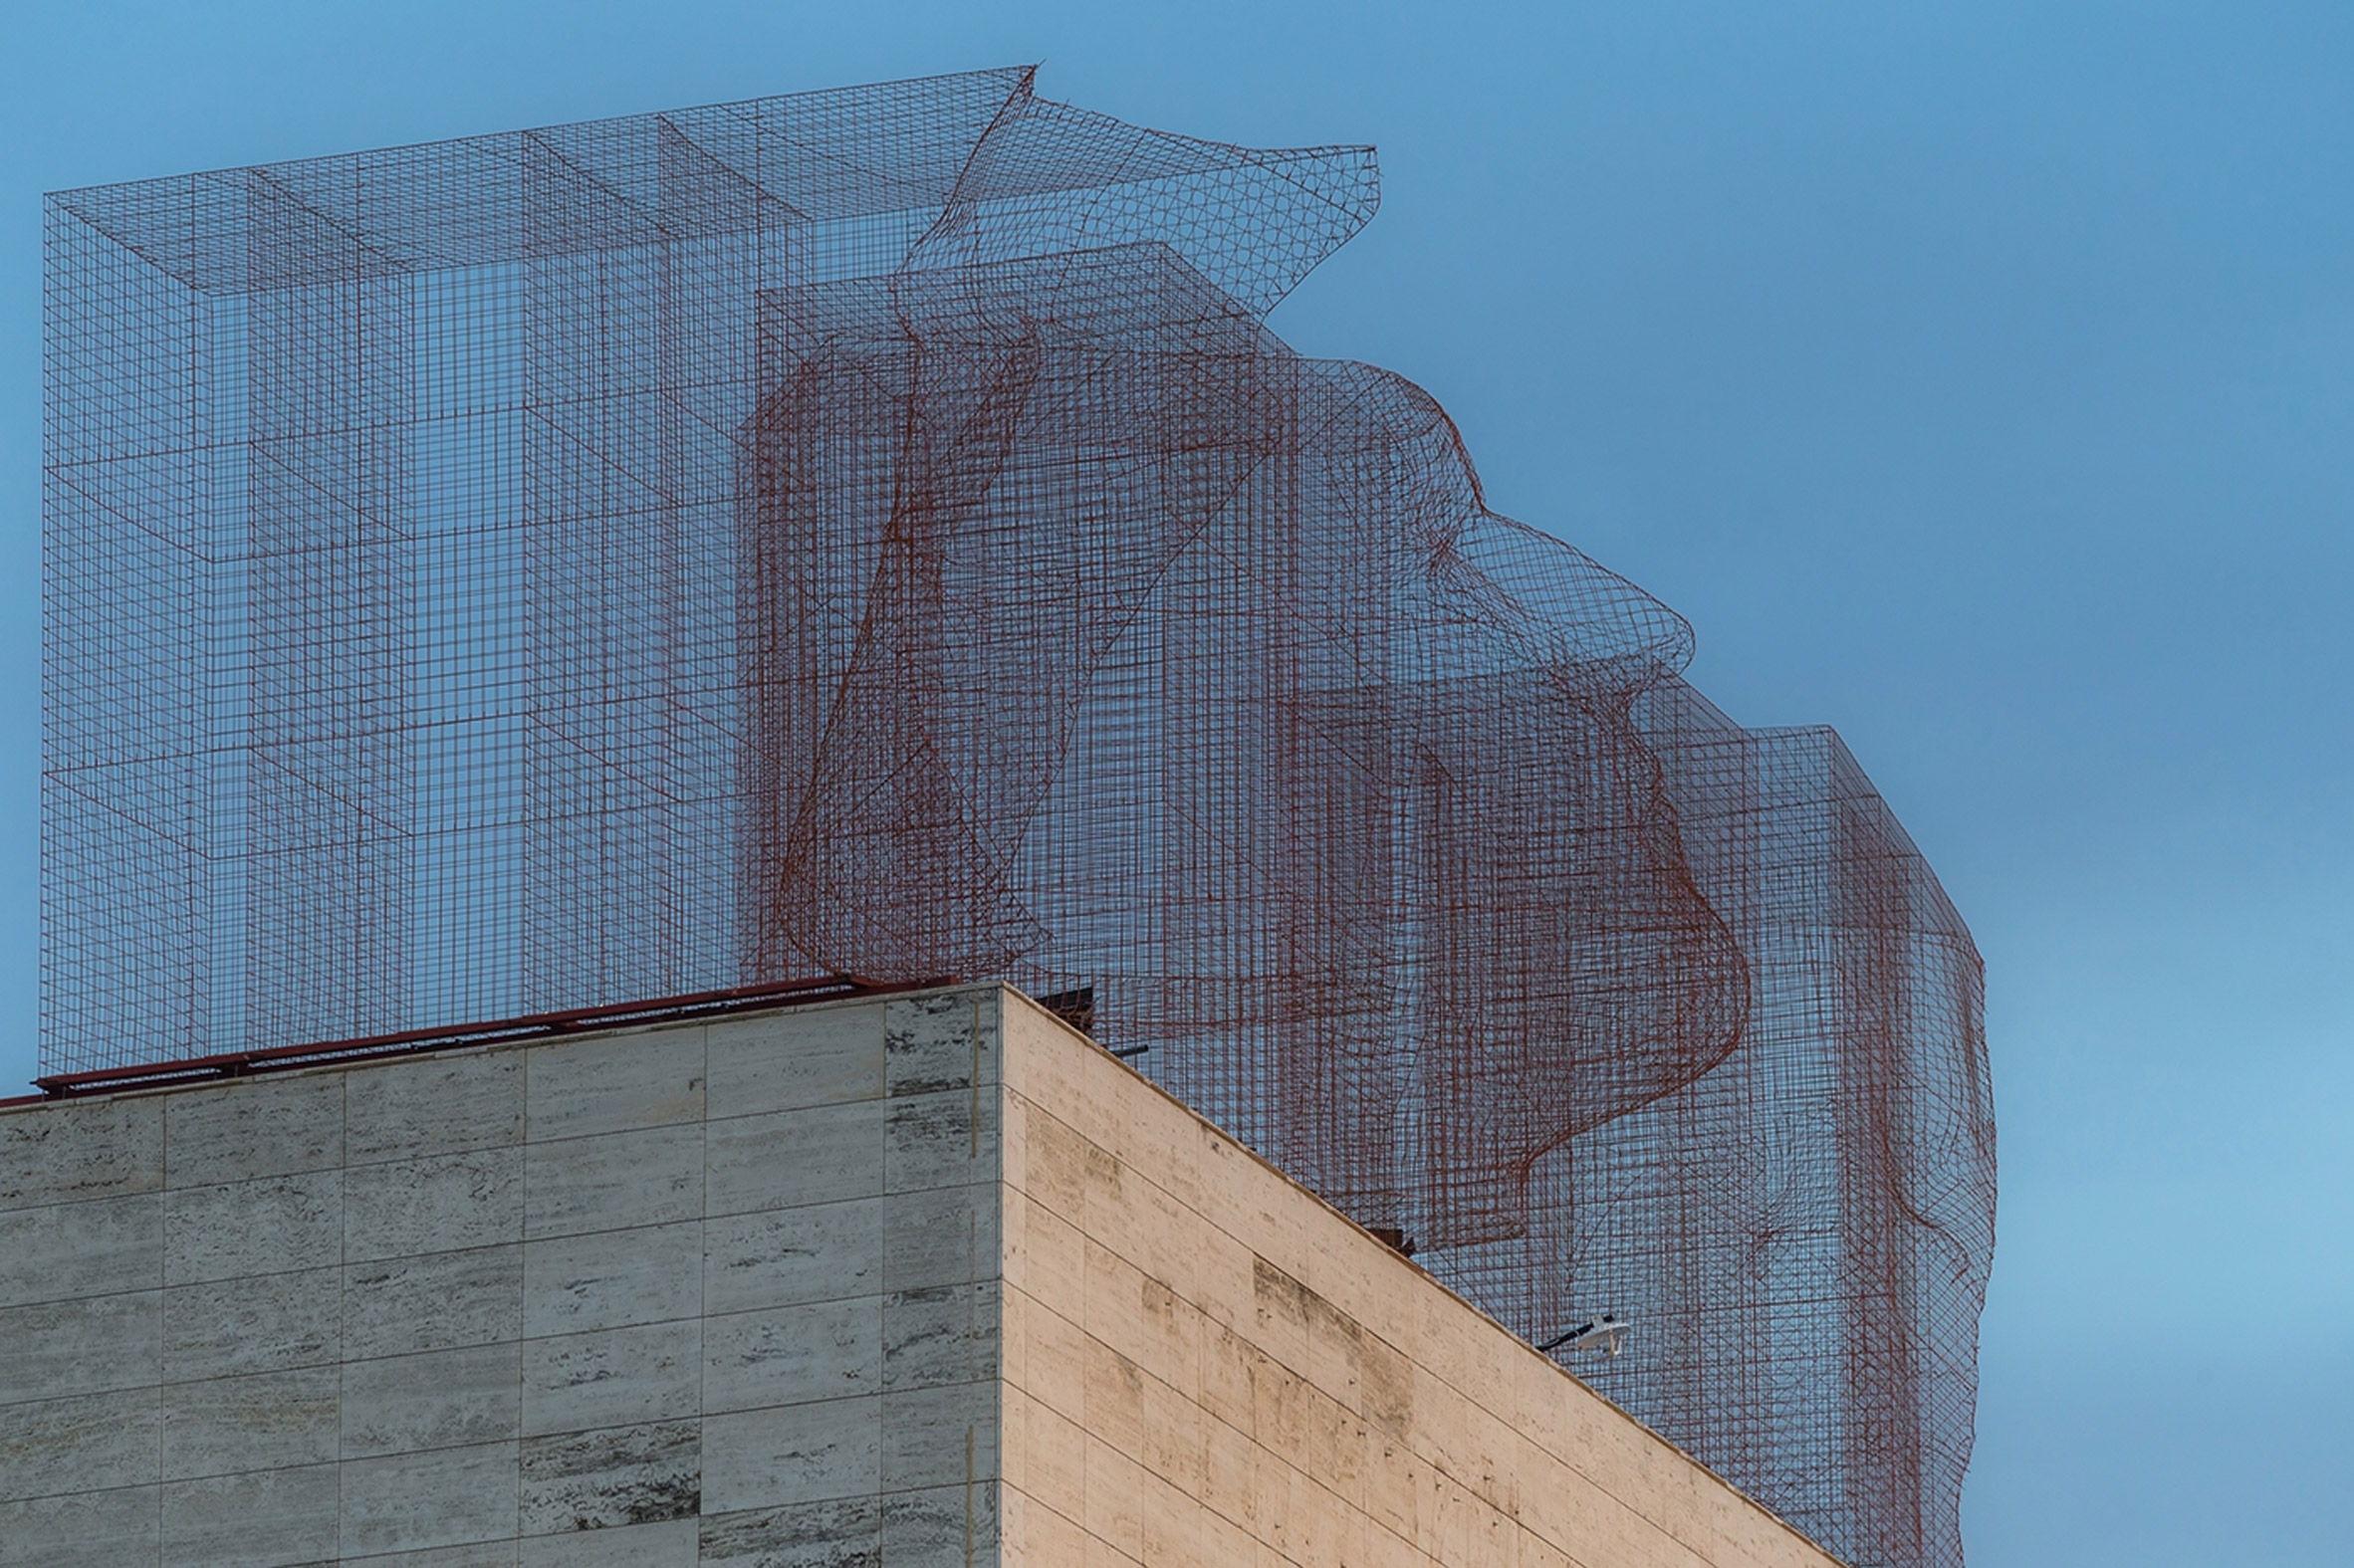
(924, 1282)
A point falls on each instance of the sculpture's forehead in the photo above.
(860, 178)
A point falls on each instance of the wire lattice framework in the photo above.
(874, 532)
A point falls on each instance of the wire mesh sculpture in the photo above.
(876, 531)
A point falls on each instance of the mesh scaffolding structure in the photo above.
(874, 532)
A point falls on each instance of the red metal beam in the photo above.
(282, 1058)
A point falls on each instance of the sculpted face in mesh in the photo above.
(876, 531)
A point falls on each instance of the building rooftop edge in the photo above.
(774, 997)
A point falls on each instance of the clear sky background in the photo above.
(1976, 377)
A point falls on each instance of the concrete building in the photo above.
(928, 1279)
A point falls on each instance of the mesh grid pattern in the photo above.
(874, 532)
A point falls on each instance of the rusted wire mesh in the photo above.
(875, 533)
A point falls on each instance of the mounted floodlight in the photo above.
(1604, 1335)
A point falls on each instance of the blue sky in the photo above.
(1977, 378)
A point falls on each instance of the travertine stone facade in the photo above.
(928, 1282)
(1206, 1364)
(717, 1293)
